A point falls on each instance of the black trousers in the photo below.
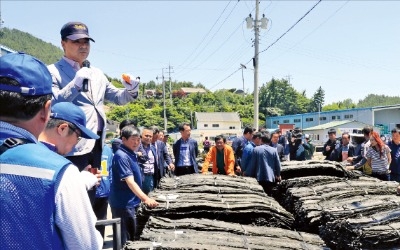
(184, 170)
(267, 186)
(129, 226)
(100, 206)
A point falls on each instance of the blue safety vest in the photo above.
(29, 178)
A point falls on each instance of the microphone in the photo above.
(85, 83)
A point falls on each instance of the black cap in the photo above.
(74, 31)
(396, 130)
(332, 131)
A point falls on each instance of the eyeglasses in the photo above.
(75, 130)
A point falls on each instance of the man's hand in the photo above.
(238, 169)
(278, 178)
(132, 85)
(82, 74)
(150, 202)
(171, 167)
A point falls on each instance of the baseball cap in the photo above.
(307, 136)
(332, 131)
(71, 113)
(74, 31)
(32, 74)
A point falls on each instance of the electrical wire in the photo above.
(223, 11)
(287, 31)
(216, 32)
(301, 18)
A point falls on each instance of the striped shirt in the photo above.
(378, 163)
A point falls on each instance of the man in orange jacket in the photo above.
(222, 158)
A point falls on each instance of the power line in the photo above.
(226, 78)
(207, 33)
(272, 43)
(215, 33)
(301, 18)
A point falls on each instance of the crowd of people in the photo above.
(58, 176)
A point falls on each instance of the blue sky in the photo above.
(350, 48)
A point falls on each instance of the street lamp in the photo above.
(243, 67)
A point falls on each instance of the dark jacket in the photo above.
(330, 155)
(193, 149)
(162, 158)
(338, 152)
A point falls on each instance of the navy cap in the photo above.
(71, 113)
(32, 74)
(74, 31)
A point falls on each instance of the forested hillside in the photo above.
(276, 97)
(25, 42)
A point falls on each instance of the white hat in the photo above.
(307, 136)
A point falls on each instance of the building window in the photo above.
(338, 117)
(322, 118)
(285, 121)
(348, 116)
(309, 119)
(205, 125)
(232, 127)
(297, 120)
(215, 125)
(275, 122)
(334, 117)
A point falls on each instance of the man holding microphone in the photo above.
(88, 88)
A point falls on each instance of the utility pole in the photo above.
(257, 25)
(170, 88)
(165, 112)
(289, 77)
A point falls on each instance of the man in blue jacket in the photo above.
(44, 204)
(185, 151)
(265, 165)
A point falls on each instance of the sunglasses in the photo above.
(75, 130)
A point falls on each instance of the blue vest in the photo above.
(29, 178)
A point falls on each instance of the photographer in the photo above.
(297, 150)
(331, 145)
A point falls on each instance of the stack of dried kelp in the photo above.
(371, 222)
(218, 197)
(294, 169)
(189, 233)
(307, 202)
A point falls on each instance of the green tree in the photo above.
(317, 100)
